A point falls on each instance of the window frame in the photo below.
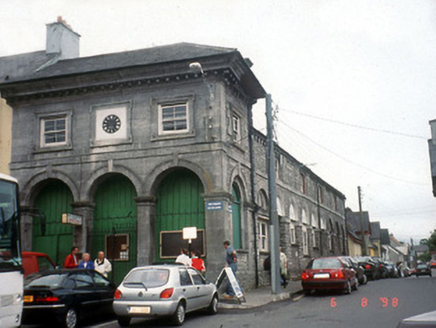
(40, 145)
(161, 106)
(263, 221)
(303, 187)
(236, 134)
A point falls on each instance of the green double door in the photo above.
(115, 225)
(179, 204)
(52, 201)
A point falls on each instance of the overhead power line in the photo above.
(356, 125)
(350, 161)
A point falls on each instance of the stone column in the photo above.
(218, 223)
(26, 226)
(146, 208)
(81, 234)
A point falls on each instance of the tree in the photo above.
(425, 257)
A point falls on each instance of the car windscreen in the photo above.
(325, 264)
(52, 280)
(421, 266)
(363, 259)
(148, 278)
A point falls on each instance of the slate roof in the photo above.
(375, 230)
(384, 237)
(353, 220)
(23, 67)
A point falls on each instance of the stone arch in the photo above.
(31, 189)
(238, 177)
(280, 209)
(91, 184)
(161, 171)
(292, 214)
(262, 200)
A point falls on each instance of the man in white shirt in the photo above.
(183, 258)
(102, 264)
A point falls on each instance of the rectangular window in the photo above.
(305, 243)
(314, 239)
(263, 236)
(236, 128)
(292, 236)
(303, 183)
(320, 195)
(173, 119)
(53, 131)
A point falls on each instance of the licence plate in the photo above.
(140, 309)
(321, 275)
(28, 298)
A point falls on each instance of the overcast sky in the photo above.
(354, 81)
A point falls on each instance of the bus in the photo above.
(11, 271)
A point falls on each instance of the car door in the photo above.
(203, 291)
(189, 291)
(105, 291)
(86, 297)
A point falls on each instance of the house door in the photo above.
(179, 204)
(52, 201)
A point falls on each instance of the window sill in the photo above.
(108, 143)
(42, 150)
(174, 136)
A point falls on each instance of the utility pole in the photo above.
(362, 224)
(273, 218)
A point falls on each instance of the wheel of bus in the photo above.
(71, 318)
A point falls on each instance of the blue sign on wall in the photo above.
(214, 205)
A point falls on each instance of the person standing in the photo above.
(283, 268)
(86, 262)
(102, 264)
(198, 263)
(232, 262)
(183, 258)
(71, 261)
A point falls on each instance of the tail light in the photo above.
(47, 299)
(304, 275)
(118, 294)
(339, 274)
(167, 293)
(381, 266)
(367, 266)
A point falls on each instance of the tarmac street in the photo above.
(382, 303)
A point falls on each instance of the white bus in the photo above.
(11, 271)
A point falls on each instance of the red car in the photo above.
(36, 262)
(329, 273)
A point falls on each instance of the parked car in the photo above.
(372, 270)
(36, 262)
(392, 269)
(383, 269)
(329, 273)
(66, 296)
(360, 271)
(433, 264)
(163, 290)
(422, 269)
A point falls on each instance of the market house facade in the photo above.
(140, 145)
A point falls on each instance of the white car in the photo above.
(163, 290)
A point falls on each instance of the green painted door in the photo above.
(114, 230)
(52, 201)
(179, 204)
(236, 216)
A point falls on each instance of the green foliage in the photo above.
(426, 257)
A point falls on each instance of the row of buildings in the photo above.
(140, 144)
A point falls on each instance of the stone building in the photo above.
(140, 144)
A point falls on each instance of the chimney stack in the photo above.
(62, 40)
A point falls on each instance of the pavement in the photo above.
(262, 296)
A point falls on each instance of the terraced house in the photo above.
(140, 144)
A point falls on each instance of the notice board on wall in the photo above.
(171, 242)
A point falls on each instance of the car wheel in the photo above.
(213, 307)
(124, 321)
(179, 316)
(348, 288)
(71, 318)
(307, 292)
(365, 279)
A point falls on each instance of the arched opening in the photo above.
(179, 204)
(236, 216)
(50, 235)
(114, 226)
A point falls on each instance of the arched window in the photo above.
(304, 216)
(280, 211)
(262, 200)
(236, 216)
(292, 215)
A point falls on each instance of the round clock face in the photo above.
(111, 123)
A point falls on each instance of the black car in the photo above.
(422, 269)
(383, 268)
(66, 296)
(372, 270)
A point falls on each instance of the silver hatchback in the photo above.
(163, 290)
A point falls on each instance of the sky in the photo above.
(353, 82)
